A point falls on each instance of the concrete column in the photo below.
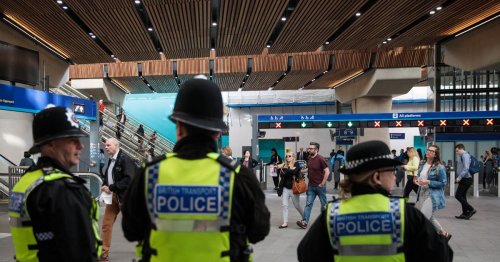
(373, 104)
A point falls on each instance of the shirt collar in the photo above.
(116, 154)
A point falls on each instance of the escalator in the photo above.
(4, 175)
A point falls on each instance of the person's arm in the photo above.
(465, 158)
(422, 243)
(254, 163)
(441, 182)
(279, 160)
(136, 220)
(315, 245)
(412, 164)
(128, 171)
(326, 172)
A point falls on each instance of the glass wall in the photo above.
(468, 91)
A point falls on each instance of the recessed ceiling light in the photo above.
(439, 8)
(91, 33)
(243, 82)
(150, 29)
(358, 14)
(247, 74)
(432, 12)
(113, 56)
(214, 24)
(59, 2)
(65, 7)
(137, 2)
(325, 72)
(277, 81)
(213, 49)
(313, 80)
(93, 36)
(268, 46)
(327, 43)
(385, 42)
(161, 53)
(389, 39)
(283, 19)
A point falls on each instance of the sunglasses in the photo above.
(288, 156)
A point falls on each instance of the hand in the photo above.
(423, 182)
(105, 189)
(322, 184)
(404, 167)
(457, 180)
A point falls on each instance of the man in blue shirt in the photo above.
(464, 180)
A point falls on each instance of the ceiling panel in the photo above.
(261, 80)
(163, 84)
(47, 21)
(312, 23)
(229, 81)
(332, 78)
(117, 24)
(134, 84)
(296, 79)
(183, 27)
(246, 25)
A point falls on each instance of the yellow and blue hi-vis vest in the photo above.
(367, 228)
(189, 202)
(24, 238)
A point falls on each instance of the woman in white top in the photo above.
(411, 169)
(432, 180)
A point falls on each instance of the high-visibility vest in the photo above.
(367, 228)
(23, 236)
(189, 202)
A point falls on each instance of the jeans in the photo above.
(312, 192)
(288, 193)
(461, 194)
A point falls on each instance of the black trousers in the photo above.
(461, 194)
(276, 180)
(409, 187)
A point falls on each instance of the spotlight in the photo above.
(93, 36)
(214, 24)
(268, 46)
(137, 2)
(59, 2)
(358, 14)
(327, 43)
(439, 8)
(283, 19)
(432, 12)
(65, 7)
(150, 29)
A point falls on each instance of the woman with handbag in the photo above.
(432, 180)
(288, 172)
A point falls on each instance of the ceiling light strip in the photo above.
(478, 25)
(349, 78)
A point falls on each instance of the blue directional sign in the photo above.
(397, 136)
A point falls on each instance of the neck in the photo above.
(430, 161)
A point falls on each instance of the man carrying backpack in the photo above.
(466, 169)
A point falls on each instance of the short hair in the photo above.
(227, 151)
(27, 154)
(460, 146)
(314, 144)
(113, 141)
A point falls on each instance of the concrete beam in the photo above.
(379, 82)
(475, 50)
(99, 89)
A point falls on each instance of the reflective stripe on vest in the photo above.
(189, 202)
(360, 230)
(23, 236)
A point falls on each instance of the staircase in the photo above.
(129, 140)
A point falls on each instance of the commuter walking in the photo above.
(152, 142)
(432, 180)
(140, 133)
(275, 161)
(52, 214)
(248, 161)
(27, 160)
(117, 176)
(317, 173)
(227, 210)
(487, 169)
(120, 125)
(464, 180)
(411, 169)
(370, 225)
(289, 171)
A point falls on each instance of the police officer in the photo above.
(52, 215)
(371, 224)
(198, 205)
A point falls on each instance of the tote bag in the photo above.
(299, 187)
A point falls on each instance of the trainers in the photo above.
(462, 216)
(471, 213)
(302, 224)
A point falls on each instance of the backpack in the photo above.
(474, 165)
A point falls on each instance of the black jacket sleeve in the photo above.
(136, 220)
(123, 172)
(421, 242)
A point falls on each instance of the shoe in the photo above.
(302, 224)
(276, 188)
(283, 226)
(104, 259)
(462, 216)
(471, 213)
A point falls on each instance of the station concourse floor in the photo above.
(477, 239)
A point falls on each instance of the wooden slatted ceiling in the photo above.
(183, 27)
(450, 20)
(351, 59)
(296, 79)
(193, 66)
(157, 68)
(229, 81)
(163, 84)
(312, 23)
(261, 80)
(134, 84)
(403, 57)
(119, 27)
(47, 21)
(246, 25)
(333, 77)
(123, 69)
(184, 78)
(86, 71)
(231, 64)
(270, 63)
(304, 68)
(375, 26)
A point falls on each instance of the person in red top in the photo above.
(101, 112)
(317, 173)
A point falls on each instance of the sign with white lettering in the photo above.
(183, 199)
(16, 202)
(370, 223)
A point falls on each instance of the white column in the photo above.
(452, 182)
(475, 193)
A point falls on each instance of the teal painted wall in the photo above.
(265, 146)
(153, 110)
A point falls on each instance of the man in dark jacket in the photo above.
(61, 214)
(198, 117)
(117, 176)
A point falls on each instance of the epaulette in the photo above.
(156, 159)
(48, 170)
(231, 164)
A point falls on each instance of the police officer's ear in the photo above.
(376, 178)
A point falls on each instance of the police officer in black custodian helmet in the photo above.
(52, 215)
(211, 228)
